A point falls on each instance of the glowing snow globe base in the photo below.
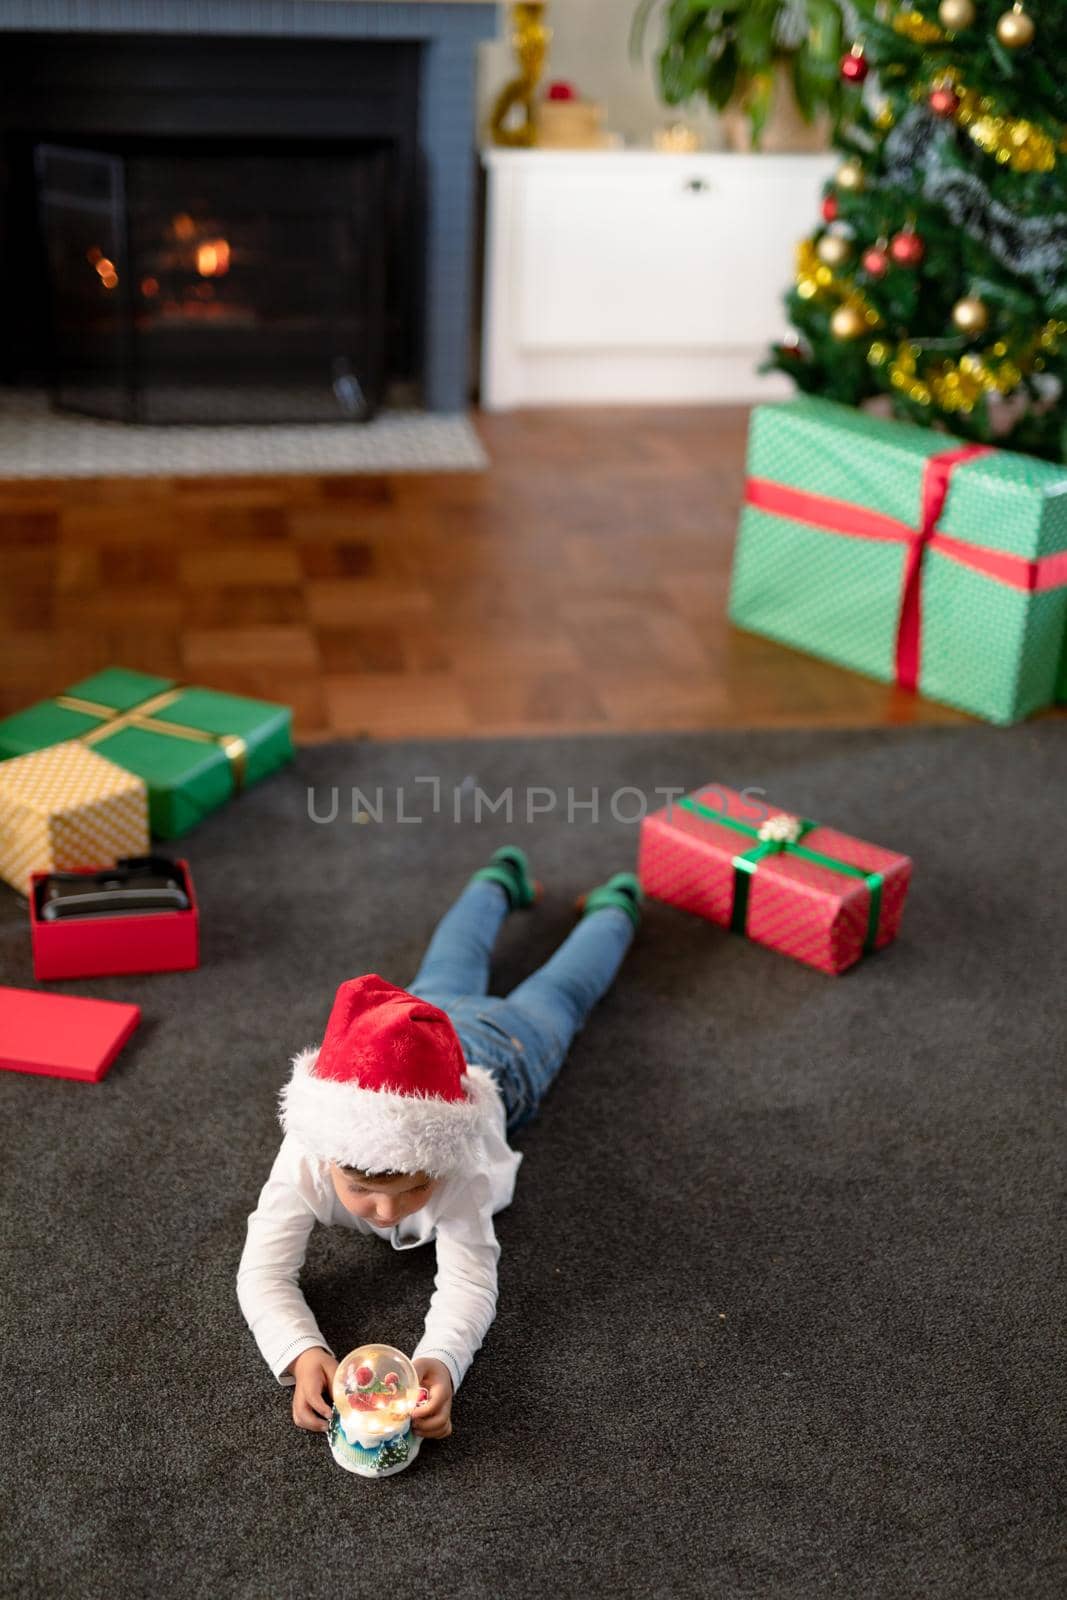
(375, 1391)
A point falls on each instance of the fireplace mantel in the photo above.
(349, 19)
(448, 31)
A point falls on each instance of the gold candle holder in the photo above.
(530, 39)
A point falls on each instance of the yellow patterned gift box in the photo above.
(66, 807)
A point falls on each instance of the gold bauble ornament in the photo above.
(834, 249)
(848, 323)
(1015, 29)
(956, 14)
(970, 314)
(850, 177)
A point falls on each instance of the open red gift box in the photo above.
(95, 947)
(804, 889)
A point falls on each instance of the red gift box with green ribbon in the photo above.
(906, 555)
(793, 884)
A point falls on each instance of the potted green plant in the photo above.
(771, 67)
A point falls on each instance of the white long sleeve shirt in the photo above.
(458, 1216)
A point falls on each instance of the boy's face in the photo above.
(385, 1201)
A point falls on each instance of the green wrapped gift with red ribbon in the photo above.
(194, 748)
(907, 555)
(804, 889)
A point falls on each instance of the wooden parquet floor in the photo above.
(579, 584)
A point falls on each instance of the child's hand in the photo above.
(313, 1395)
(433, 1418)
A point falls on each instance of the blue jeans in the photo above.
(524, 1039)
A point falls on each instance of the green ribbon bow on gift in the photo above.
(785, 841)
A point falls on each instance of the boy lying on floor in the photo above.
(398, 1124)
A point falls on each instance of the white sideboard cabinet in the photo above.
(634, 276)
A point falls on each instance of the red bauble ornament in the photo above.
(561, 90)
(829, 208)
(854, 68)
(875, 262)
(944, 102)
(790, 349)
(906, 248)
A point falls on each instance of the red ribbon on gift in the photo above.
(839, 516)
(936, 475)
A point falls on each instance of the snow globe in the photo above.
(375, 1391)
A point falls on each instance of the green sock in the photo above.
(509, 868)
(623, 891)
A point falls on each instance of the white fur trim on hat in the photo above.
(377, 1130)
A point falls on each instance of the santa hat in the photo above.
(388, 1090)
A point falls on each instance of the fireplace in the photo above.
(205, 282)
(238, 208)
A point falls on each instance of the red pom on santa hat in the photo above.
(389, 1088)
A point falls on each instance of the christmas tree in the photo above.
(393, 1453)
(938, 276)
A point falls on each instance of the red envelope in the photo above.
(62, 1036)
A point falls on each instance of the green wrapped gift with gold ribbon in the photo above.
(194, 748)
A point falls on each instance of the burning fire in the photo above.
(105, 269)
(213, 258)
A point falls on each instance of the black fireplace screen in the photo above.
(192, 286)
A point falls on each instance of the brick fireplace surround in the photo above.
(448, 32)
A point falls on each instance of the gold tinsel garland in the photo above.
(959, 385)
(914, 26)
(1013, 142)
(812, 274)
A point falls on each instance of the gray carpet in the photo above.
(802, 1337)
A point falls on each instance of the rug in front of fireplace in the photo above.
(36, 442)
